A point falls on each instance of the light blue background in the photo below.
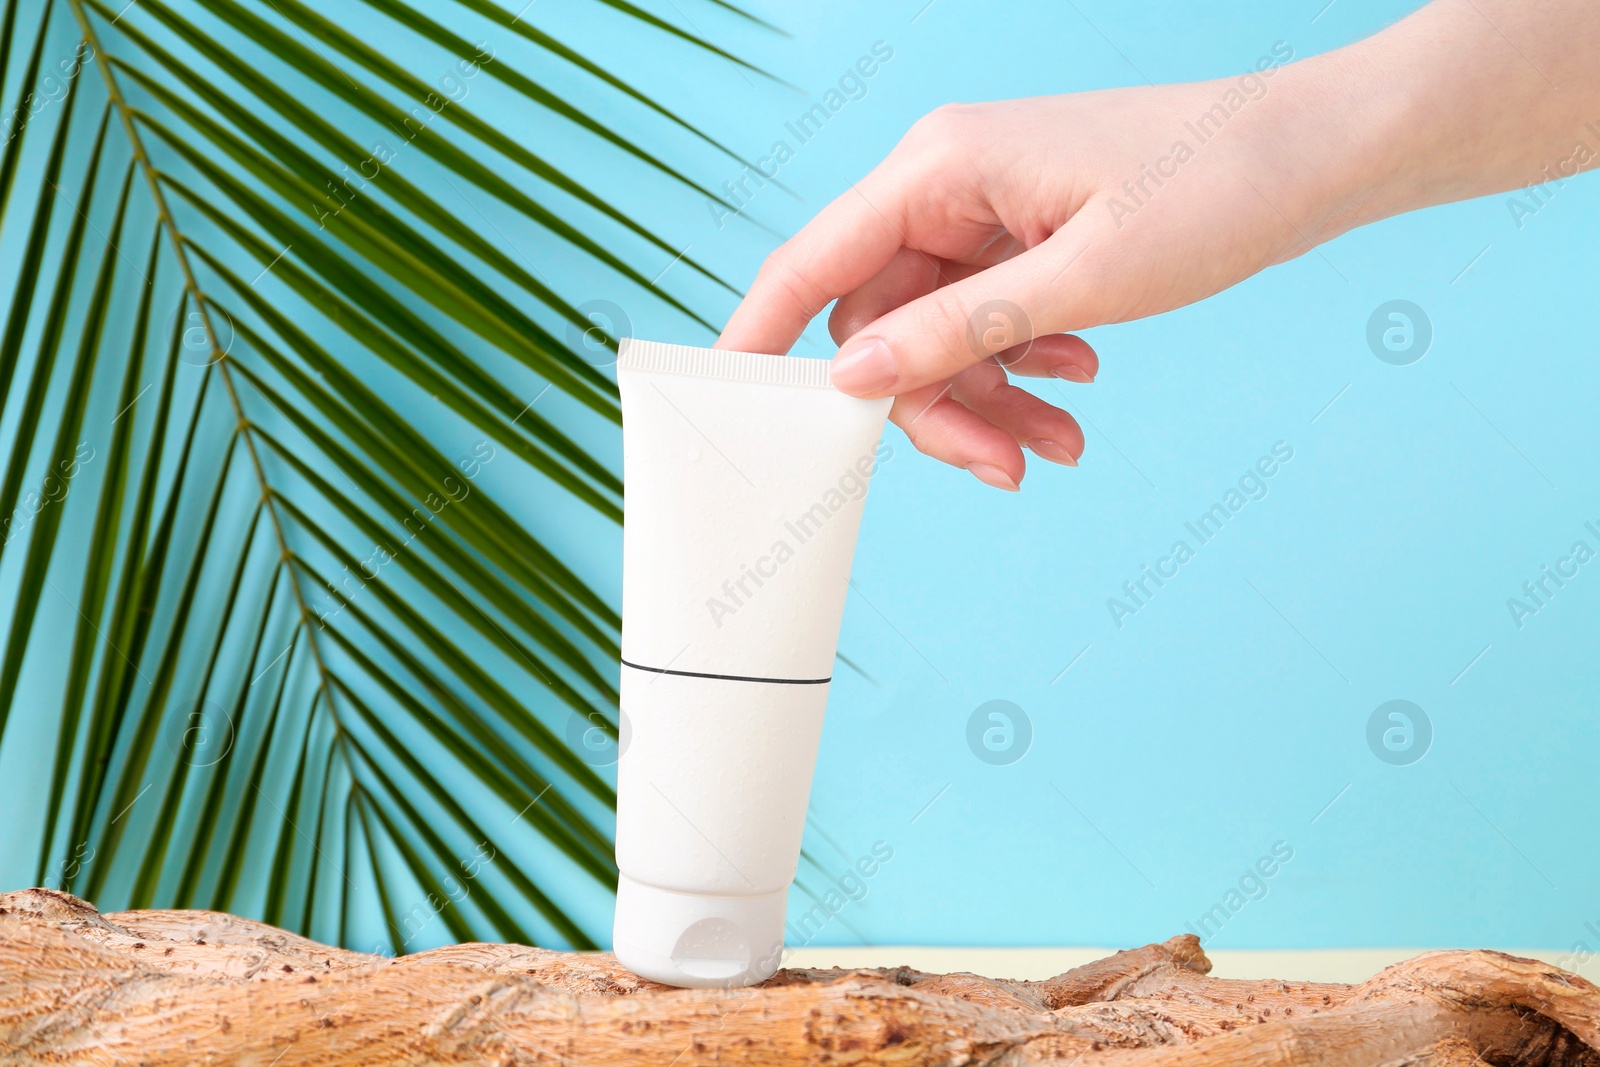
(1221, 718)
(1231, 712)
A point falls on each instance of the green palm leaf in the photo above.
(271, 645)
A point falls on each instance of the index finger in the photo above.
(845, 246)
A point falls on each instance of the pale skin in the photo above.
(1015, 223)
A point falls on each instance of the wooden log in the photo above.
(192, 987)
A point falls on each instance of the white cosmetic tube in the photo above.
(745, 476)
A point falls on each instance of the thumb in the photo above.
(936, 336)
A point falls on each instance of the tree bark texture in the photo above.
(196, 987)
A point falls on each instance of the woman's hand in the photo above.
(993, 230)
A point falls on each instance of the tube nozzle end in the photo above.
(696, 940)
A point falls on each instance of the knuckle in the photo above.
(943, 121)
(939, 131)
(921, 440)
(912, 418)
(777, 260)
(783, 274)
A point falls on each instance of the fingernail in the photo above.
(990, 475)
(1054, 451)
(864, 367)
(1072, 373)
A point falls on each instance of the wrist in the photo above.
(1355, 143)
(1442, 106)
